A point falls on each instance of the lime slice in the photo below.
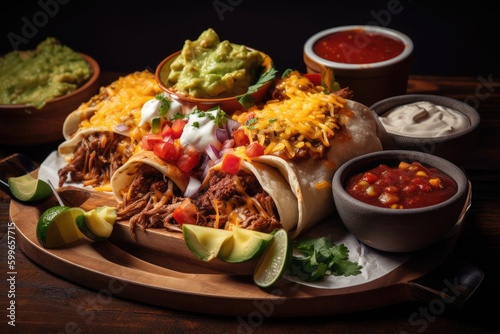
(56, 226)
(205, 242)
(26, 188)
(244, 246)
(97, 224)
(275, 260)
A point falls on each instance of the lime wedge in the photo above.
(56, 226)
(275, 260)
(205, 242)
(97, 224)
(26, 188)
(244, 246)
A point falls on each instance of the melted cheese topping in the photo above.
(120, 103)
(305, 116)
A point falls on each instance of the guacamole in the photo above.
(209, 68)
(36, 76)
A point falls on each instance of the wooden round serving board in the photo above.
(157, 268)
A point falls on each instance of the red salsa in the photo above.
(405, 186)
(357, 47)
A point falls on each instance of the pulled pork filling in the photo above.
(239, 200)
(150, 201)
(226, 201)
(96, 158)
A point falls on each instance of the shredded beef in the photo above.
(151, 202)
(153, 199)
(96, 158)
(223, 187)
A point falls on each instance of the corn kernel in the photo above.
(436, 182)
(404, 165)
(370, 191)
(421, 173)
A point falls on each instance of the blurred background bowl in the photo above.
(455, 147)
(227, 104)
(399, 230)
(370, 81)
(26, 125)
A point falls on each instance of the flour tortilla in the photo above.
(123, 176)
(270, 179)
(273, 183)
(310, 180)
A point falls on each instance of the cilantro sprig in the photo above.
(321, 258)
(247, 99)
(165, 102)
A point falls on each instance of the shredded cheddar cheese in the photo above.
(120, 103)
(305, 118)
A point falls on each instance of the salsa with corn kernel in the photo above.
(409, 185)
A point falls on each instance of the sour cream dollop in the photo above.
(151, 109)
(424, 119)
(200, 131)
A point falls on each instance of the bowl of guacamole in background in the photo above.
(208, 72)
(39, 88)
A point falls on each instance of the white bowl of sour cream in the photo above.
(434, 124)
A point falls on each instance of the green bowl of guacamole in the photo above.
(39, 88)
(209, 72)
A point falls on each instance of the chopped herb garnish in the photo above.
(196, 125)
(165, 103)
(247, 99)
(321, 258)
(272, 120)
(178, 116)
(286, 73)
(250, 124)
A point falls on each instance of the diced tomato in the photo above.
(370, 177)
(255, 149)
(315, 78)
(231, 163)
(167, 151)
(186, 212)
(177, 127)
(148, 141)
(189, 158)
(240, 137)
(166, 131)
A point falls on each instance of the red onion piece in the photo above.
(122, 128)
(192, 187)
(212, 152)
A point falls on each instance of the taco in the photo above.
(308, 135)
(104, 132)
(151, 194)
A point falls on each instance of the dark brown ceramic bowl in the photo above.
(454, 147)
(399, 230)
(227, 104)
(26, 125)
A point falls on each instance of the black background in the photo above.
(450, 39)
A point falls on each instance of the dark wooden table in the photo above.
(46, 303)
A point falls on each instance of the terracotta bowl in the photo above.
(399, 230)
(228, 104)
(455, 147)
(26, 125)
(370, 82)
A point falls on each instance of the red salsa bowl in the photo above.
(401, 227)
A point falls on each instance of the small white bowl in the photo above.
(369, 82)
(455, 147)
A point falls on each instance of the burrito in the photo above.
(307, 135)
(152, 194)
(104, 132)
